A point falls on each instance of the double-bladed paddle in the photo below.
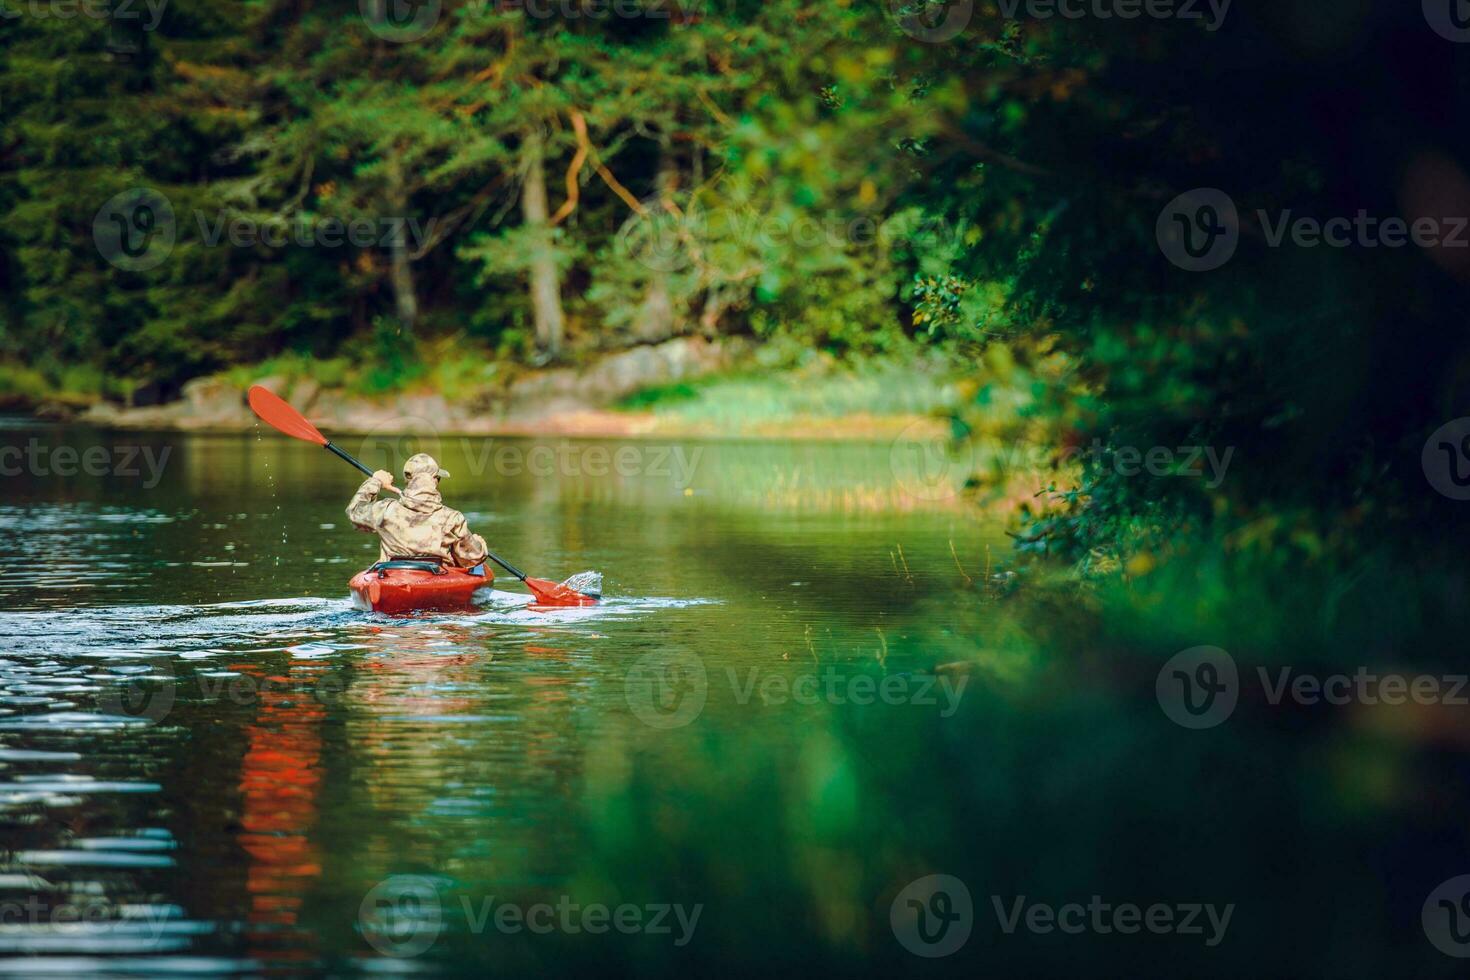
(273, 411)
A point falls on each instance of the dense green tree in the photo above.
(543, 181)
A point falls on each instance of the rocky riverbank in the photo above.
(563, 399)
(587, 400)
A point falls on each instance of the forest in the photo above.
(366, 192)
(1051, 562)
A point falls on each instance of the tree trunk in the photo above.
(405, 301)
(656, 317)
(545, 284)
(400, 263)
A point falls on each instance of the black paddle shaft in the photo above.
(507, 566)
(347, 456)
(353, 460)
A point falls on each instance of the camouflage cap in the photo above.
(422, 463)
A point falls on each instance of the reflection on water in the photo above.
(208, 759)
(793, 709)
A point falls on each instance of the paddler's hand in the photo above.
(384, 478)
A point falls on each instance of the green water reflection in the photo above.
(797, 702)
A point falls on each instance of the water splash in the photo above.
(588, 583)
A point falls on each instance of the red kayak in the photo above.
(403, 586)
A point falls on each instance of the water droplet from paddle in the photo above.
(587, 583)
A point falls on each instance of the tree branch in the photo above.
(574, 170)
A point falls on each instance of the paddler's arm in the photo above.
(365, 511)
(468, 549)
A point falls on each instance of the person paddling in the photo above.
(417, 524)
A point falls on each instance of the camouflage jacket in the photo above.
(415, 524)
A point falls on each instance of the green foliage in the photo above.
(390, 359)
(820, 390)
(21, 383)
(292, 366)
(825, 184)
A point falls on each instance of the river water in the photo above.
(799, 701)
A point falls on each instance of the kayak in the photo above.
(403, 586)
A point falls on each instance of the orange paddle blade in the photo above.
(552, 594)
(277, 414)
